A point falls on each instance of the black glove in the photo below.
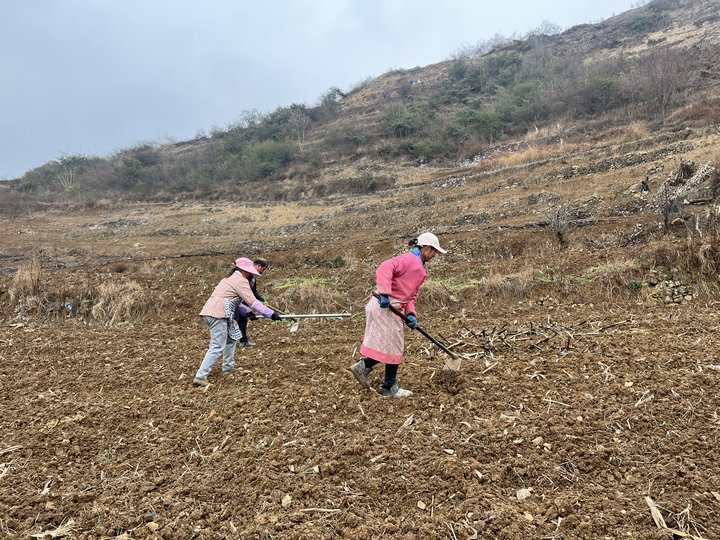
(252, 316)
(275, 316)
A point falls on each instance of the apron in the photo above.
(384, 334)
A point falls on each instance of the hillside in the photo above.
(580, 289)
(638, 68)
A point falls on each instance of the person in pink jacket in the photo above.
(397, 283)
(218, 313)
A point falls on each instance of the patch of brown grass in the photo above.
(438, 294)
(615, 279)
(634, 131)
(512, 286)
(309, 295)
(26, 281)
(543, 132)
(121, 302)
(533, 154)
(442, 293)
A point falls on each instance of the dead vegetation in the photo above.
(309, 295)
(35, 294)
(25, 284)
(125, 301)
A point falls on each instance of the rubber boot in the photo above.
(394, 391)
(361, 372)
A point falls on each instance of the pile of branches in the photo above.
(484, 344)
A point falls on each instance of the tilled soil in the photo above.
(103, 435)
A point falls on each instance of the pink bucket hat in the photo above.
(243, 263)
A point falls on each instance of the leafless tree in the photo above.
(659, 77)
(299, 120)
(560, 219)
(482, 47)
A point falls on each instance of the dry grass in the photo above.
(440, 293)
(616, 278)
(25, 290)
(155, 266)
(309, 295)
(121, 302)
(634, 131)
(512, 286)
(533, 154)
(59, 296)
(26, 281)
(544, 132)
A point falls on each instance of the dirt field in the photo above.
(576, 402)
(102, 432)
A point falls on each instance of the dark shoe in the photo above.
(395, 391)
(247, 343)
(199, 381)
(230, 371)
(361, 373)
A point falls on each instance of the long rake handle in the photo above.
(281, 313)
(423, 332)
(313, 315)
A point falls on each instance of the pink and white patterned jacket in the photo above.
(236, 287)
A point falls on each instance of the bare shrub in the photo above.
(560, 219)
(701, 256)
(658, 77)
(703, 113)
(667, 201)
(121, 302)
(14, 204)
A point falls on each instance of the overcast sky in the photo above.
(96, 76)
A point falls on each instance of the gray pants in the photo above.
(220, 343)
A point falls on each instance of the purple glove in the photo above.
(243, 310)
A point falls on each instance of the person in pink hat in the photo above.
(218, 313)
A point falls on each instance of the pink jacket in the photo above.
(232, 288)
(400, 278)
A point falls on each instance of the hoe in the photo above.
(296, 323)
(453, 363)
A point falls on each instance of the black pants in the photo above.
(390, 372)
(242, 323)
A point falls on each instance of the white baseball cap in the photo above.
(429, 239)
